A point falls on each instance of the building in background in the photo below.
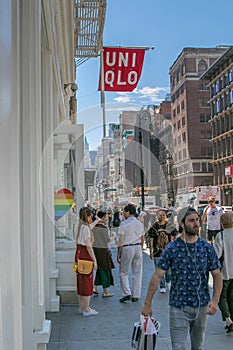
(190, 115)
(220, 78)
(166, 148)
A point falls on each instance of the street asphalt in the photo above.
(112, 328)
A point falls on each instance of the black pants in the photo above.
(226, 300)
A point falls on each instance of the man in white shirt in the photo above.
(131, 240)
(212, 214)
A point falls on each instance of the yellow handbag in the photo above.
(83, 266)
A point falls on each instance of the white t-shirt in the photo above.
(84, 234)
(213, 218)
(132, 230)
(226, 245)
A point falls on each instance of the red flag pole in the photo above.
(102, 91)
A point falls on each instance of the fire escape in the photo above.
(89, 19)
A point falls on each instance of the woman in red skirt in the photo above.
(84, 240)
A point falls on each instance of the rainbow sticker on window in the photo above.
(63, 200)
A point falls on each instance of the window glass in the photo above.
(196, 167)
(208, 134)
(203, 151)
(231, 96)
(202, 66)
(218, 105)
(230, 75)
(202, 134)
(202, 118)
(204, 167)
(209, 151)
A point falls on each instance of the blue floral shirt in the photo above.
(190, 264)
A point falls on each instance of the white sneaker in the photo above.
(168, 285)
(90, 313)
(162, 290)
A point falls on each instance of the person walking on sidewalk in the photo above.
(212, 214)
(131, 241)
(158, 240)
(223, 245)
(116, 222)
(191, 259)
(103, 255)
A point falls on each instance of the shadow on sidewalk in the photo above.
(112, 328)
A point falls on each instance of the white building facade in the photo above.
(37, 104)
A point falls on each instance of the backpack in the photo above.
(116, 222)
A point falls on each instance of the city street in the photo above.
(112, 328)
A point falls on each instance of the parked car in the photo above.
(226, 209)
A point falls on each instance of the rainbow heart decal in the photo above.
(63, 200)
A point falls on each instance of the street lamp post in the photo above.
(170, 187)
(142, 171)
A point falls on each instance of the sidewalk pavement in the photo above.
(112, 328)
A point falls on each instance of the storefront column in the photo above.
(52, 300)
(11, 282)
(36, 329)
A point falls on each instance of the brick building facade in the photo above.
(190, 114)
(220, 77)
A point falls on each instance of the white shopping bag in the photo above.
(144, 333)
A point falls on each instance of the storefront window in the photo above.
(64, 197)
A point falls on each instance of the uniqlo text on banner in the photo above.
(122, 68)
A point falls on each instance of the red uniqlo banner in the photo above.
(122, 68)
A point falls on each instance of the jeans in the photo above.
(226, 300)
(184, 321)
(166, 278)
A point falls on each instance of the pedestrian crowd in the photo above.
(183, 261)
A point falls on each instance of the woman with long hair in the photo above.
(103, 255)
(84, 251)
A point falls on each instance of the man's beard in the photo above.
(191, 232)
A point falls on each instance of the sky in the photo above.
(168, 26)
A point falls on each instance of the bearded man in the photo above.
(191, 259)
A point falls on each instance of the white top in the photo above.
(213, 218)
(227, 247)
(132, 230)
(83, 235)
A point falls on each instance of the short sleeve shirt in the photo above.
(83, 235)
(190, 265)
(132, 230)
(213, 218)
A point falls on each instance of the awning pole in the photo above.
(102, 91)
